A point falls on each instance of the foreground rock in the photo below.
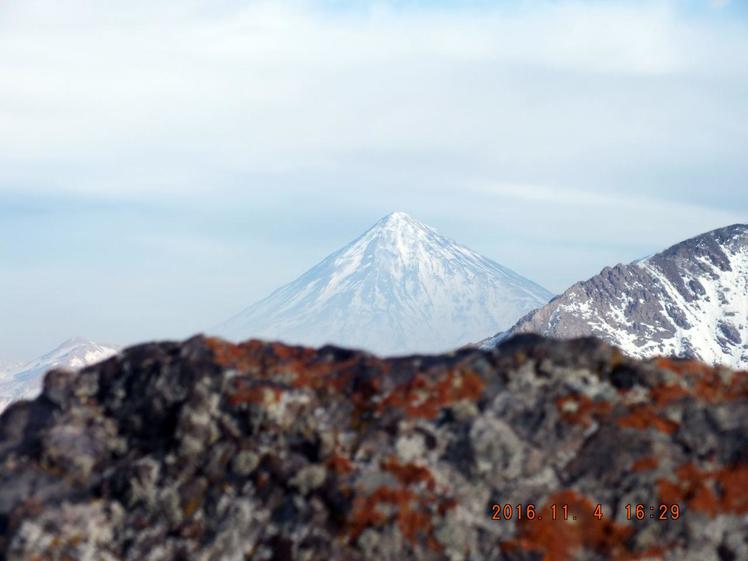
(211, 451)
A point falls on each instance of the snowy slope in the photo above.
(399, 288)
(25, 382)
(8, 366)
(690, 300)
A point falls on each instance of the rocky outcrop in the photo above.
(210, 451)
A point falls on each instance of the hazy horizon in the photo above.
(163, 167)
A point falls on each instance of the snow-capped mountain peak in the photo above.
(398, 240)
(400, 287)
(75, 353)
(25, 381)
(398, 219)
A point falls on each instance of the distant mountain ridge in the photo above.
(401, 287)
(690, 300)
(24, 382)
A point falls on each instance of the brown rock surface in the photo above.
(211, 451)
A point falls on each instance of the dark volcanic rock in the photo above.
(210, 451)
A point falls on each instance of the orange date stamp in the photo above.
(563, 512)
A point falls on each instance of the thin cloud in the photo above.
(555, 137)
(149, 99)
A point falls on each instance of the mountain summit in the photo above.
(690, 300)
(24, 381)
(400, 287)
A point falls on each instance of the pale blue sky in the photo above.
(164, 165)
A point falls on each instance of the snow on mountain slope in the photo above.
(25, 382)
(690, 300)
(399, 288)
(7, 366)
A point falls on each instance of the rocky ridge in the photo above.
(690, 300)
(211, 451)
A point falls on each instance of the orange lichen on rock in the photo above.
(245, 357)
(301, 367)
(340, 464)
(413, 504)
(647, 463)
(666, 394)
(410, 511)
(643, 417)
(733, 484)
(581, 410)
(424, 396)
(409, 474)
(710, 492)
(682, 366)
(709, 384)
(714, 389)
(366, 511)
(562, 540)
(244, 390)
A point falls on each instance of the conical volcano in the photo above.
(400, 287)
